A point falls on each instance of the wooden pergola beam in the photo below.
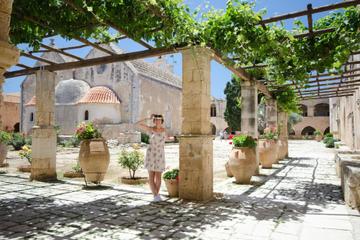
(60, 51)
(23, 66)
(101, 60)
(329, 91)
(329, 96)
(37, 58)
(314, 10)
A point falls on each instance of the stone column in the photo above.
(43, 166)
(9, 55)
(196, 146)
(283, 135)
(271, 113)
(249, 109)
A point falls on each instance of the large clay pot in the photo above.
(282, 149)
(94, 159)
(172, 186)
(228, 171)
(3, 153)
(243, 164)
(267, 153)
(318, 138)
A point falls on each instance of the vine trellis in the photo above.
(289, 65)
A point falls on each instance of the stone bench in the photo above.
(351, 175)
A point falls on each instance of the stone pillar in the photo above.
(196, 146)
(43, 166)
(9, 55)
(283, 135)
(249, 109)
(271, 113)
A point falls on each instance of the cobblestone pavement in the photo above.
(299, 199)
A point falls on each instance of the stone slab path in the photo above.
(299, 199)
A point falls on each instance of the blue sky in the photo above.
(219, 74)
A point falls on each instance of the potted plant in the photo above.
(5, 138)
(171, 178)
(268, 149)
(242, 160)
(132, 160)
(25, 153)
(318, 135)
(19, 140)
(94, 154)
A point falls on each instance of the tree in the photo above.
(232, 112)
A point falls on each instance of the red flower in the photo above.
(177, 178)
(230, 143)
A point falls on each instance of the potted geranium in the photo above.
(94, 154)
(171, 178)
(242, 160)
(132, 161)
(318, 135)
(5, 138)
(25, 153)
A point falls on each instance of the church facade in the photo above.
(114, 96)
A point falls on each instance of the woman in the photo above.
(155, 154)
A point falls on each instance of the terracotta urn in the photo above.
(242, 162)
(3, 153)
(228, 171)
(268, 153)
(172, 186)
(282, 149)
(94, 159)
(318, 138)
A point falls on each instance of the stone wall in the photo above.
(345, 114)
(12, 109)
(159, 98)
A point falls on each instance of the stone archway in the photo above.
(213, 129)
(327, 130)
(16, 127)
(308, 131)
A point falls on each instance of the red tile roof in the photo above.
(32, 102)
(100, 95)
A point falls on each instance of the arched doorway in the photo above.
(16, 127)
(327, 130)
(321, 110)
(292, 132)
(213, 129)
(308, 131)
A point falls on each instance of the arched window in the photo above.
(31, 117)
(213, 110)
(303, 109)
(321, 110)
(308, 131)
(86, 117)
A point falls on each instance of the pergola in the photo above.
(195, 141)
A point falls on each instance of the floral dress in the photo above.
(155, 154)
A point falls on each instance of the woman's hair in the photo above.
(158, 116)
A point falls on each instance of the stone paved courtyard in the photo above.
(299, 199)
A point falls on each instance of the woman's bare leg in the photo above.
(152, 183)
(157, 181)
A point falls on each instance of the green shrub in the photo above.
(326, 139)
(77, 167)
(328, 135)
(18, 141)
(317, 133)
(330, 143)
(5, 137)
(171, 174)
(145, 138)
(244, 141)
(131, 160)
(71, 142)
